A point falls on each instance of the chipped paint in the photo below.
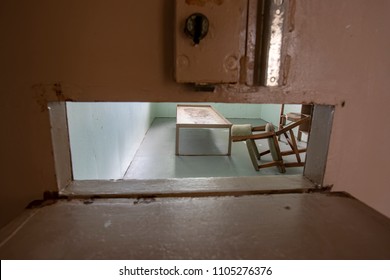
(107, 224)
(145, 200)
(45, 93)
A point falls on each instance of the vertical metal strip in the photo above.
(275, 25)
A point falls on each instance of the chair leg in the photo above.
(294, 146)
(256, 151)
(252, 153)
(299, 135)
(280, 163)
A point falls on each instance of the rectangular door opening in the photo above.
(121, 143)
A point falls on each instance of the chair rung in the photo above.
(294, 164)
(269, 164)
(286, 153)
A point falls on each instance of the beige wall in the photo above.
(122, 51)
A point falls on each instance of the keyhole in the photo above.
(197, 26)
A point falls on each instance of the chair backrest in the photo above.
(306, 110)
(274, 147)
(241, 130)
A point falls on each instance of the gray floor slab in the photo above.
(156, 157)
(282, 226)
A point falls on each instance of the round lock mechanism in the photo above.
(197, 26)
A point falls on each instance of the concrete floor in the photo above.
(280, 226)
(156, 159)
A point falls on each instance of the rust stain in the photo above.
(57, 88)
(44, 93)
(202, 3)
(40, 96)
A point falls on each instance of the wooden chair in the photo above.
(304, 128)
(250, 134)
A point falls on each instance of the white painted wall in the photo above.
(105, 136)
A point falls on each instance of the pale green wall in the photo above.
(271, 113)
(228, 110)
(105, 136)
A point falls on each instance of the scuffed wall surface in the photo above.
(27, 165)
(95, 50)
